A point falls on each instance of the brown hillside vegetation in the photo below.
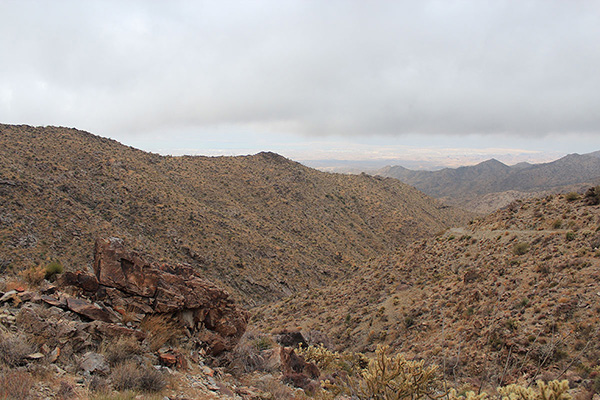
(262, 226)
(513, 296)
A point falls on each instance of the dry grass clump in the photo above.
(251, 353)
(161, 329)
(34, 275)
(121, 350)
(131, 376)
(15, 385)
(14, 349)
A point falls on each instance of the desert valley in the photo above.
(127, 274)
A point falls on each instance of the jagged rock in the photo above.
(35, 356)
(53, 301)
(102, 330)
(291, 339)
(119, 268)
(88, 283)
(172, 358)
(94, 363)
(89, 310)
(10, 295)
(127, 281)
(298, 372)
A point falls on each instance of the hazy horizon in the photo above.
(438, 82)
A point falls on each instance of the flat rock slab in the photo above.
(89, 310)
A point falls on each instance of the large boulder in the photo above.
(127, 281)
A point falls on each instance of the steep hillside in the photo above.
(511, 296)
(490, 185)
(262, 226)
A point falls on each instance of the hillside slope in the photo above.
(262, 226)
(491, 184)
(511, 296)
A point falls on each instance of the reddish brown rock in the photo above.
(129, 283)
(101, 330)
(89, 310)
(53, 301)
(173, 358)
(296, 370)
(119, 268)
(87, 282)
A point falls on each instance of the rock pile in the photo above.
(125, 286)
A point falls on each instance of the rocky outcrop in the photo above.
(130, 284)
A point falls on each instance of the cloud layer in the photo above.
(305, 67)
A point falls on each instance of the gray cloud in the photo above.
(308, 67)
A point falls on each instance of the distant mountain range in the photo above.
(491, 184)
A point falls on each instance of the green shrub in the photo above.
(592, 196)
(53, 269)
(570, 236)
(556, 224)
(572, 196)
(520, 248)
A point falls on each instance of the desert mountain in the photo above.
(509, 296)
(261, 226)
(491, 184)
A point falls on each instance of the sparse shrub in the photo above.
(66, 391)
(162, 329)
(14, 349)
(121, 350)
(53, 269)
(34, 275)
(570, 236)
(98, 385)
(130, 376)
(556, 224)
(15, 385)
(592, 196)
(520, 248)
(249, 355)
(572, 196)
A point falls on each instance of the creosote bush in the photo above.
(53, 269)
(520, 248)
(572, 196)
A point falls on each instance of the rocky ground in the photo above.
(509, 298)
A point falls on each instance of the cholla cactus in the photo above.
(553, 390)
(333, 361)
(470, 395)
(395, 378)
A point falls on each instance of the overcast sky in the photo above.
(309, 79)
